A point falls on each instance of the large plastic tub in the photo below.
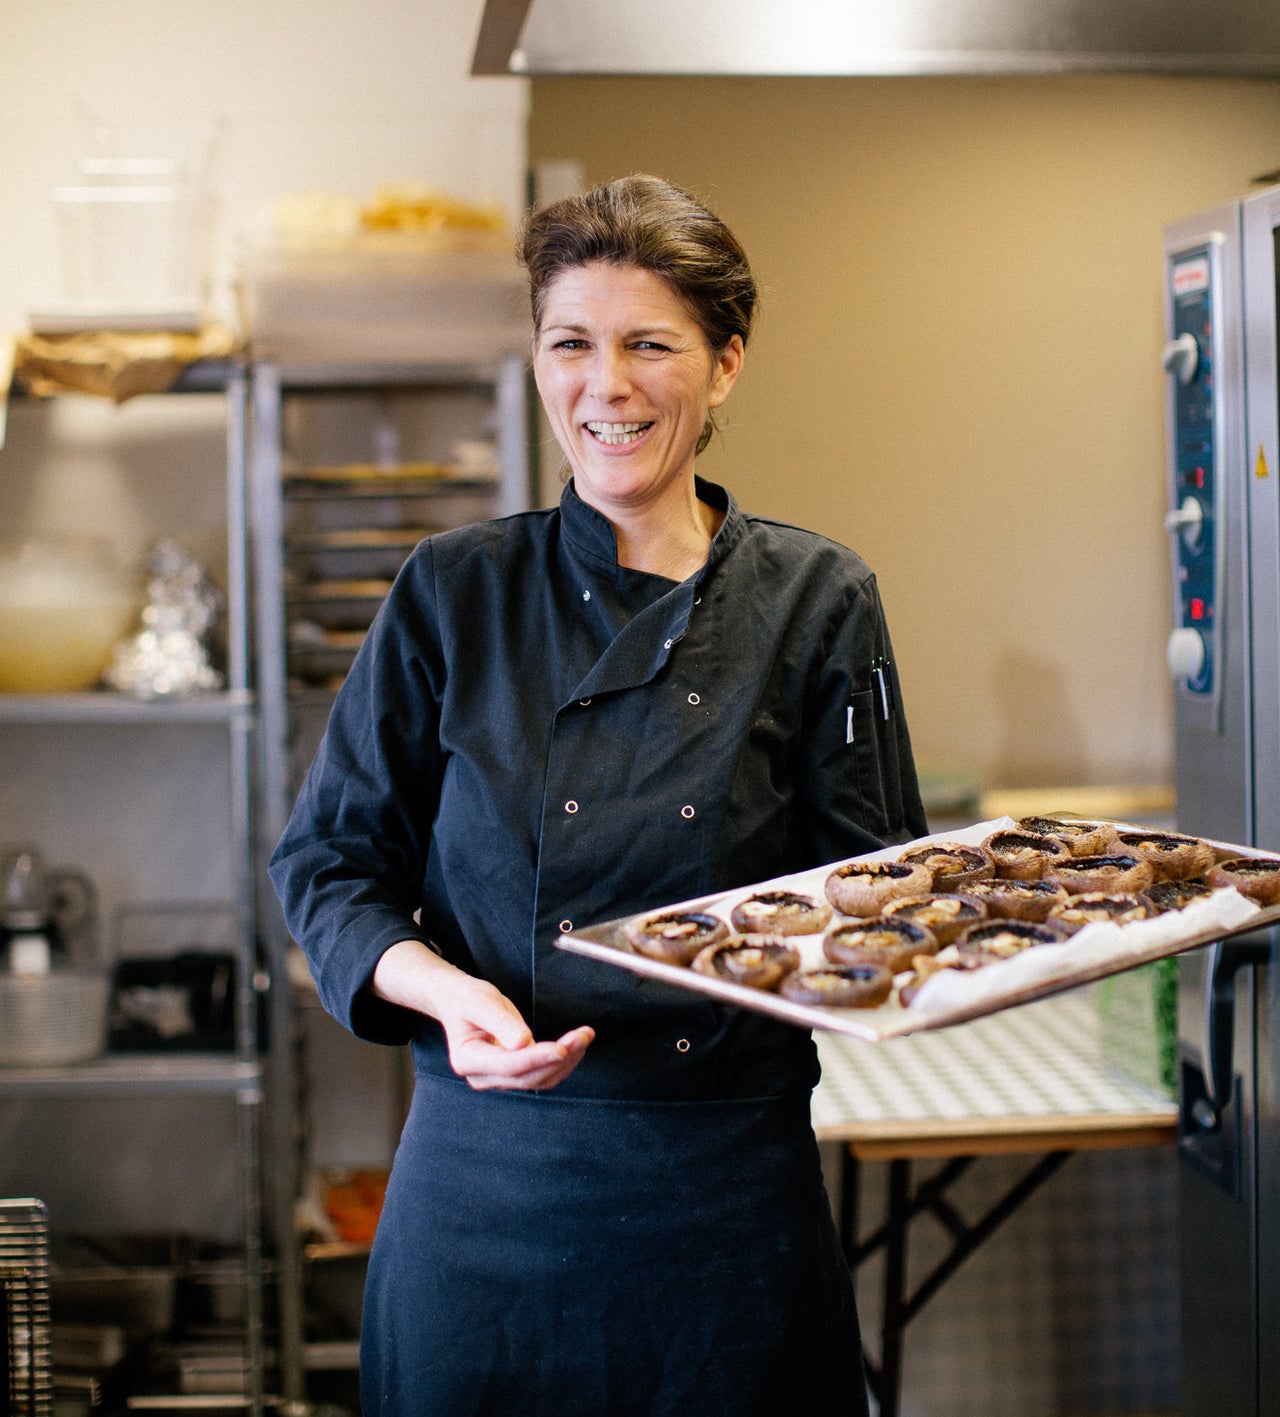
(52, 1020)
(382, 297)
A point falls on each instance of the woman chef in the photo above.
(607, 1197)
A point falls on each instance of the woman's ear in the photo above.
(725, 371)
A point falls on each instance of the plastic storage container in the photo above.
(382, 297)
(134, 243)
(52, 1019)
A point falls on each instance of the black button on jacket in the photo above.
(535, 739)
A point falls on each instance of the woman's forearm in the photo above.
(417, 978)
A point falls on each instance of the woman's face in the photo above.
(627, 378)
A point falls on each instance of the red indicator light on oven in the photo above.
(1199, 477)
(1197, 608)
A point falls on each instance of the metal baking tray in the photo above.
(1081, 960)
(369, 588)
(359, 539)
(363, 480)
(317, 654)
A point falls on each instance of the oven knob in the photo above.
(1181, 356)
(1189, 520)
(1185, 653)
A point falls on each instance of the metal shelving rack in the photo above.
(278, 488)
(236, 1076)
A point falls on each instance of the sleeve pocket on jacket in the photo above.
(873, 740)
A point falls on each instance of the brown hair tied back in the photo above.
(646, 222)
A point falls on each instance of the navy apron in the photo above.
(567, 1257)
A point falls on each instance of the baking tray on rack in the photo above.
(408, 479)
(317, 555)
(359, 539)
(318, 654)
(1097, 951)
(364, 589)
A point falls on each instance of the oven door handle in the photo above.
(1223, 961)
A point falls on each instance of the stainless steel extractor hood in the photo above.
(846, 37)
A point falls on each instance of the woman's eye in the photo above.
(569, 344)
(651, 346)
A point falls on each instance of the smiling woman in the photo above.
(628, 379)
(644, 694)
(642, 305)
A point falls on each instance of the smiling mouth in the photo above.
(615, 433)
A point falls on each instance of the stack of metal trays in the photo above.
(25, 1367)
(349, 529)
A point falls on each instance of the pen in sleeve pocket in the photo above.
(881, 669)
(883, 676)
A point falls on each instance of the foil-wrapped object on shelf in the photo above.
(168, 655)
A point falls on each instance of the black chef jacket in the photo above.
(534, 739)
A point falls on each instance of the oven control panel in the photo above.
(1189, 358)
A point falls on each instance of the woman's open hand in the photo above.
(490, 1044)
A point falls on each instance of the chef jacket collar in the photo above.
(645, 643)
(592, 534)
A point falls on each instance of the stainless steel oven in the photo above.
(1222, 308)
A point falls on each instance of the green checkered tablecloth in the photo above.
(1040, 1060)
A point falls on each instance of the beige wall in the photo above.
(956, 369)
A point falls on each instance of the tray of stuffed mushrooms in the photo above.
(948, 928)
